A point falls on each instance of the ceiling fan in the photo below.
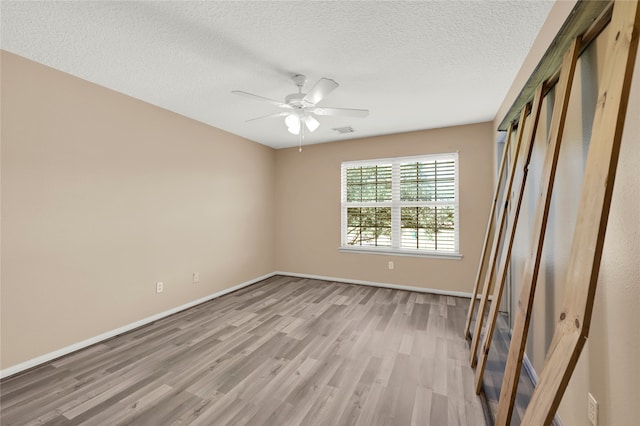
(301, 107)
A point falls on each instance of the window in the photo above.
(406, 205)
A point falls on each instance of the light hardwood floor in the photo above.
(285, 351)
(494, 374)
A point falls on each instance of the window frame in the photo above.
(396, 204)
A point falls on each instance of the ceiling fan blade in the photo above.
(261, 98)
(343, 112)
(277, 114)
(323, 87)
(311, 123)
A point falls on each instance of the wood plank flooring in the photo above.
(494, 374)
(285, 351)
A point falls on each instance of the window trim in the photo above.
(396, 205)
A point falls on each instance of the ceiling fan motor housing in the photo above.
(296, 100)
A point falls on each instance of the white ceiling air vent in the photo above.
(347, 129)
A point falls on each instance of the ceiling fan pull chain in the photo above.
(301, 137)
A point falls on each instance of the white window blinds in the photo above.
(406, 204)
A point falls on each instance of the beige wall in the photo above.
(103, 195)
(608, 366)
(308, 208)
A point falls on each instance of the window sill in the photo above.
(391, 252)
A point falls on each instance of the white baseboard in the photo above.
(378, 284)
(10, 371)
(531, 372)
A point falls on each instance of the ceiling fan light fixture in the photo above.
(311, 123)
(293, 123)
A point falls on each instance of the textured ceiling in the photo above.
(414, 65)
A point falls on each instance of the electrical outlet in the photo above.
(592, 410)
(159, 287)
(390, 264)
(196, 277)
